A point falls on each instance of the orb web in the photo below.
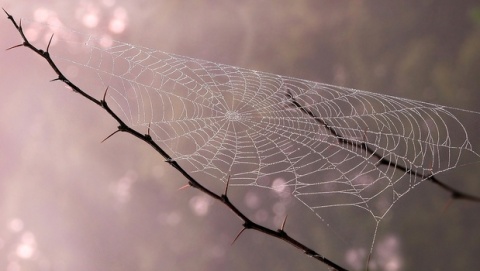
(220, 121)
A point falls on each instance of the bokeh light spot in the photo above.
(15, 225)
(108, 3)
(278, 185)
(26, 248)
(117, 26)
(41, 15)
(90, 20)
(106, 41)
(200, 205)
(119, 21)
(252, 200)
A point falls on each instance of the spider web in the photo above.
(276, 132)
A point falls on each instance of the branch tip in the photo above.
(8, 14)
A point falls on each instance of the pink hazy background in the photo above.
(68, 202)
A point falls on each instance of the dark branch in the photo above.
(454, 193)
(123, 127)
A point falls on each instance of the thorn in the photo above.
(49, 42)
(283, 223)
(148, 132)
(364, 144)
(368, 261)
(238, 235)
(103, 102)
(183, 187)
(15, 46)
(447, 205)
(364, 135)
(431, 176)
(110, 135)
(170, 161)
(20, 28)
(60, 78)
(226, 186)
(288, 94)
(105, 94)
(8, 15)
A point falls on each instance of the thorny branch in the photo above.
(123, 127)
(363, 145)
